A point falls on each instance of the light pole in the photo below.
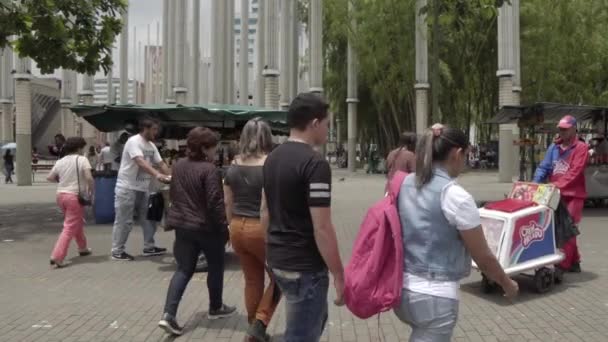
(422, 69)
(196, 53)
(352, 99)
(260, 55)
(285, 37)
(124, 58)
(507, 163)
(244, 55)
(271, 72)
(181, 22)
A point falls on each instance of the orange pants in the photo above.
(249, 242)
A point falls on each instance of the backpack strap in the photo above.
(395, 183)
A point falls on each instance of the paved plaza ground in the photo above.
(95, 299)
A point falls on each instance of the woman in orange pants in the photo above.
(243, 196)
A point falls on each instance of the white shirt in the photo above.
(460, 210)
(130, 175)
(65, 170)
(106, 156)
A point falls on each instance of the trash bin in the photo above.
(105, 182)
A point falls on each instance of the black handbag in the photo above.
(83, 198)
(156, 207)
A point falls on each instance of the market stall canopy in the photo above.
(546, 112)
(177, 120)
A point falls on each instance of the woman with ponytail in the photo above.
(441, 232)
(243, 196)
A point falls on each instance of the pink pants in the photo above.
(570, 248)
(73, 226)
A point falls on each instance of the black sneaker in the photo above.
(122, 257)
(170, 326)
(575, 268)
(152, 251)
(257, 332)
(223, 312)
(85, 252)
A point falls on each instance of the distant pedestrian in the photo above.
(402, 158)
(9, 166)
(139, 158)
(243, 192)
(106, 158)
(301, 240)
(35, 156)
(57, 148)
(73, 173)
(93, 157)
(198, 216)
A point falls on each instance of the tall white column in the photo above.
(316, 46)
(422, 70)
(67, 118)
(505, 73)
(258, 99)
(244, 55)
(180, 23)
(294, 50)
(196, 52)
(6, 95)
(285, 50)
(516, 53)
(228, 45)
(86, 94)
(169, 52)
(124, 59)
(23, 118)
(217, 51)
(352, 99)
(271, 73)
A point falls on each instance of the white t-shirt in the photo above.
(460, 210)
(106, 156)
(130, 175)
(65, 170)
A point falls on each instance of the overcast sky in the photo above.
(149, 12)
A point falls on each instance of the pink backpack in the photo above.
(374, 275)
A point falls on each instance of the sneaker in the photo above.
(170, 326)
(122, 256)
(257, 332)
(152, 251)
(223, 312)
(56, 264)
(85, 252)
(575, 268)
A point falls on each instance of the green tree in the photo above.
(71, 34)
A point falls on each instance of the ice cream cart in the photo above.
(520, 231)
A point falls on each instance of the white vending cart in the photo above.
(520, 231)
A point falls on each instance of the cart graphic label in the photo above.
(532, 237)
(530, 233)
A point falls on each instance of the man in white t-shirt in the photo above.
(106, 157)
(139, 164)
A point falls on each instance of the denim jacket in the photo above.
(432, 246)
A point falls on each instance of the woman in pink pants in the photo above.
(73, 173)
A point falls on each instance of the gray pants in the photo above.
(127, 204)
(431, 318)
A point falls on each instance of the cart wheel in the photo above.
(558, 275)
(543, 280)
(487, 286)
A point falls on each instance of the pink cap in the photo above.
(567, 121)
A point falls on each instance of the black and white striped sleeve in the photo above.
(319, 184)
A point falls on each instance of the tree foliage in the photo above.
(564, 58)
(71, 34)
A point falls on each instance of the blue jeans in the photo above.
(431, 318)
(127, 203)
(305, 304)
